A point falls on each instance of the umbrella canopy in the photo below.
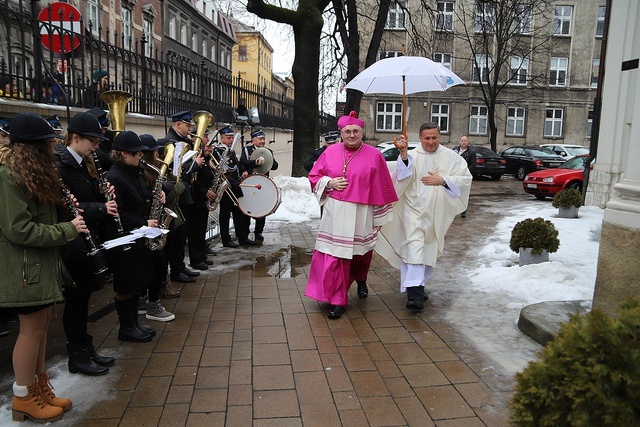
(402, 75)
(420, 75)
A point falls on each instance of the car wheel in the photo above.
(521, 173)
(496, 176)
(540, 197)
(576, 186)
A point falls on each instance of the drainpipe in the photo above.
(597, 103)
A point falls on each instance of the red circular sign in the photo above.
(62, 34)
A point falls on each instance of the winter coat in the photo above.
(469, 156)
(92, 203)
(31, 271)
(132, 270)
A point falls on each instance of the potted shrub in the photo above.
(568, 201)
(586, 376)
(534, 240)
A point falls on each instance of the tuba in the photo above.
(117, 101)
(203, 120)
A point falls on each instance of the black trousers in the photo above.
(159, 274)
(75, 315)
(176, 242)
(227, 209)
(259, 227)
(196, 230)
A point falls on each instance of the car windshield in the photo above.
(576, 151)
(542, 152)
(484, 152)
(575, 163)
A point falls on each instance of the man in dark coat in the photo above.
(469, 156)
(329, 138)
(258, 139)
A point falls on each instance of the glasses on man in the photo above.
(94, 141)
(351, 132)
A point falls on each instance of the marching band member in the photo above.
(31, 271)
(199, 213)
(133, 269)
(181, 126)
(150, 306)
(227, 207)
(258, 140)
(76, 169)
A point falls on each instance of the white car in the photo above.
(391, 153)
(568, 151)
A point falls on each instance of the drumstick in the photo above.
(258, 186)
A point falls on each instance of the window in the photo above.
(522, 19)
(213, 56)
(481, 69)
(389, 116)
(443, 58)
(172, 25)
(558, 71)
(126, 28)
(562, 22)
(395, 17)
(194, 39)
(440, 115)
(184, 31)
(519, 70)
(223, 57)
(444, 16)
(147, 29)
(553, 123)
(242, 52)
(594, 72)
(589, 123)
(389, 54)
(205, 47)
(600, 24)
(484, 17)
(92, 16)
(515, 121)
(478, 120)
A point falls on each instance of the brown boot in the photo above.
(35, 407)
(167, 291)
(47, 392)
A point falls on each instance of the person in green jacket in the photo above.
(32, 272)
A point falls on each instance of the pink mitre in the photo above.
(351, 119)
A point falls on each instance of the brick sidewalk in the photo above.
(248, 349)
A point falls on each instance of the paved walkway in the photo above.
(247, 348)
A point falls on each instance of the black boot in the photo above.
(80, 360)
(126, 316)
(100, 360)
(142, 328)
(363, 292)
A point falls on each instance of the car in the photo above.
(548, 182)
(488, 163)
(567, 151)
(523, 160)
(391, 153)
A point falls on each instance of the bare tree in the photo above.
(307, 22)
(505, 48)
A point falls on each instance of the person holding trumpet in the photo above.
(31, 271)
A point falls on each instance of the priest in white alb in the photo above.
(432, 183)
(352, 182)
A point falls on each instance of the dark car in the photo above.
(489, 163)
(523, 160)
(548, 182)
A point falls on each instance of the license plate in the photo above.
(532, 185)
(553, 165)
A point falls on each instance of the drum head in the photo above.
(261, 196)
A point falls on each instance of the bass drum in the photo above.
(261, 196)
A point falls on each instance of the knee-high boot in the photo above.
(142, 328)
(127, 316)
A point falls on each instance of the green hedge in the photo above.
(535, 233)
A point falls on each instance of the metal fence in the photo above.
(160, 82)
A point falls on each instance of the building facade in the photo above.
(545, 92)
